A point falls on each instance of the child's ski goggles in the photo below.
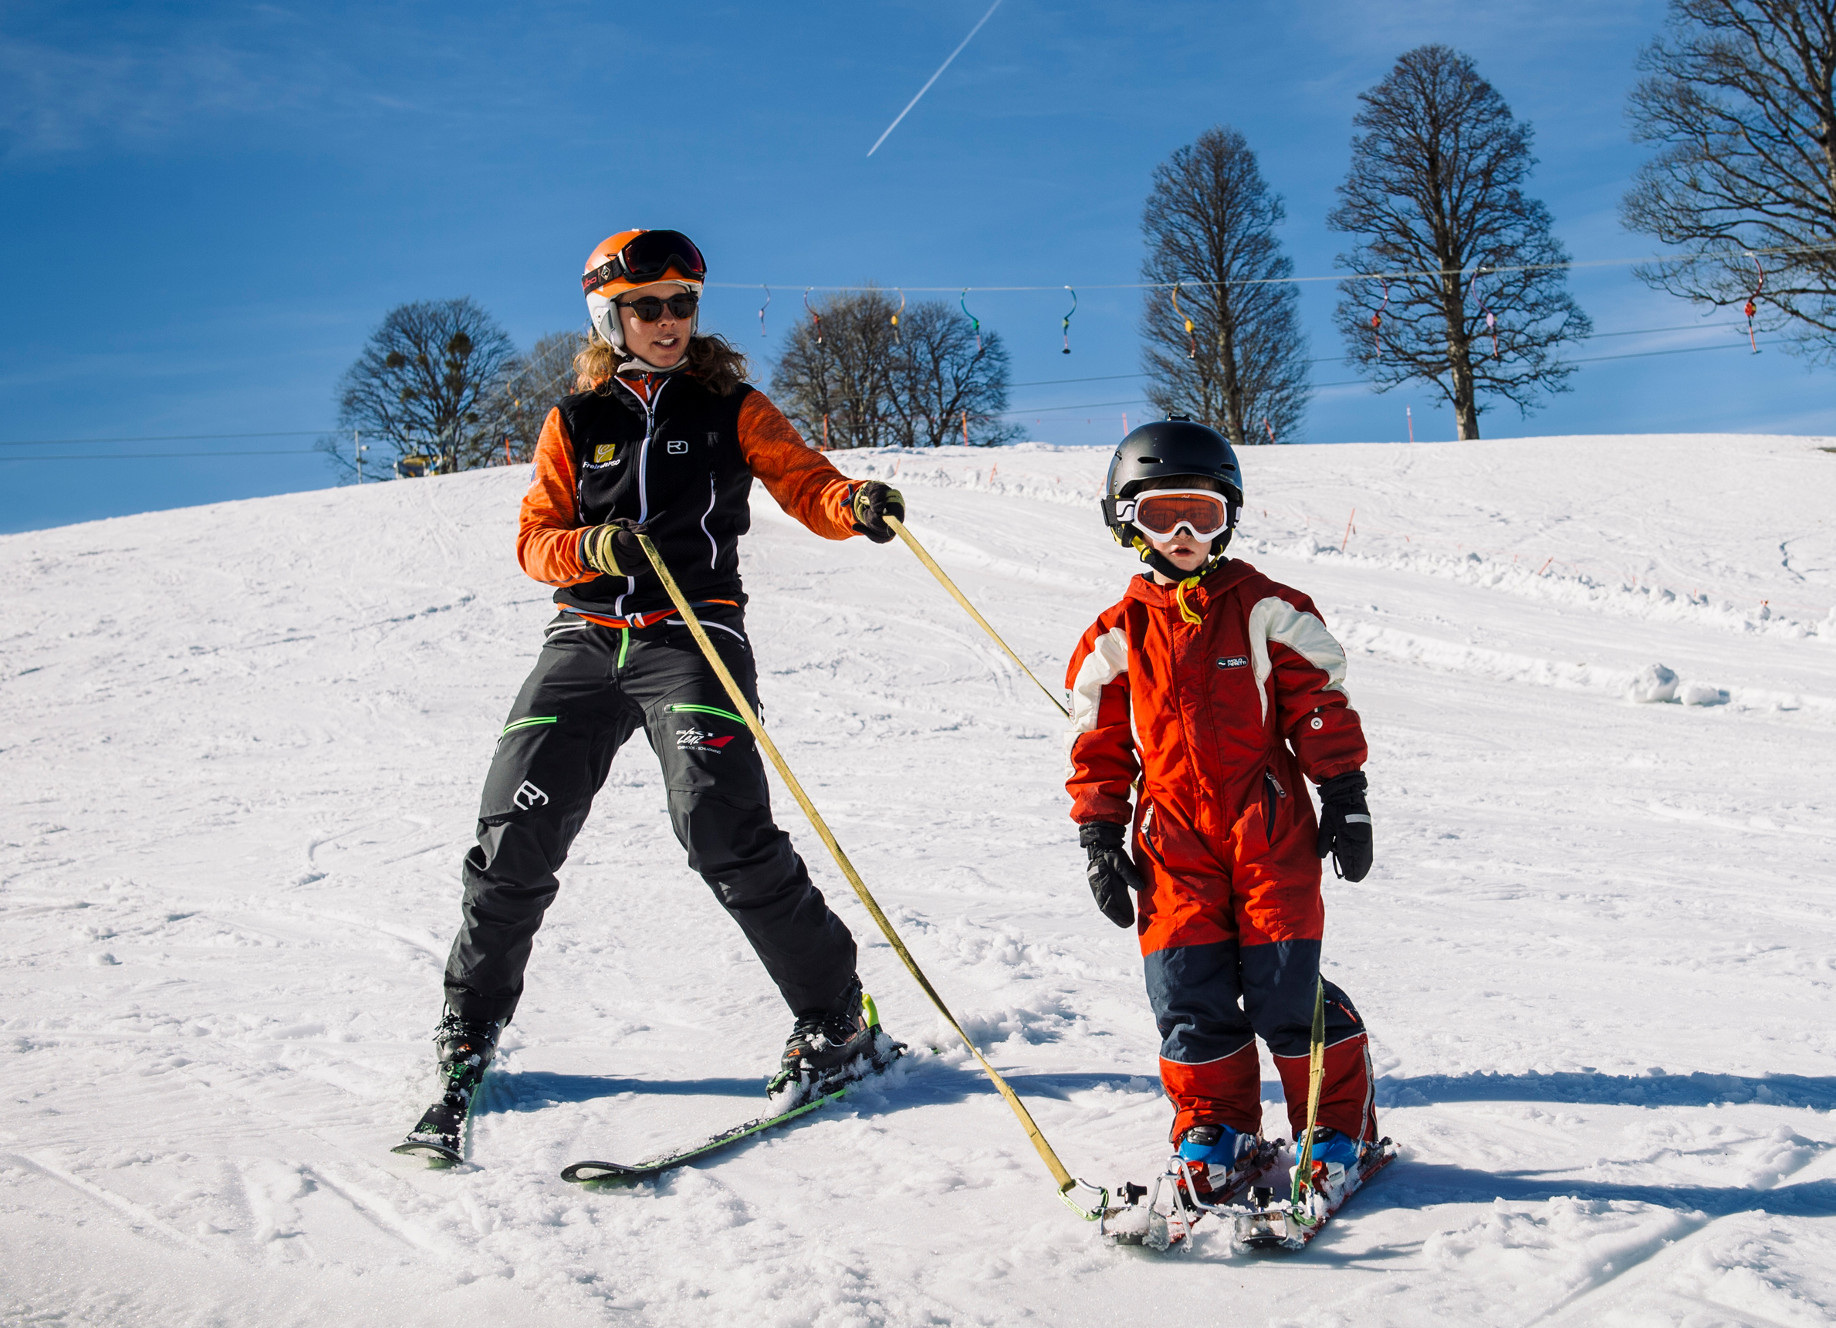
(1162, 512)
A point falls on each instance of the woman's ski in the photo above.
(885, 1052)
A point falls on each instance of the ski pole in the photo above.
(898, 528)
(1066, 1182)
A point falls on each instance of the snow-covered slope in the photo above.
(242, 748)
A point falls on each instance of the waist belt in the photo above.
(638, 620)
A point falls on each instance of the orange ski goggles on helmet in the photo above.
(1163, 512)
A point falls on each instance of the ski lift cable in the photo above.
(1396, 275)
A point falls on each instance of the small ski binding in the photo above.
(1293, 1222)
(1144, 1218)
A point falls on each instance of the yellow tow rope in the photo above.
(1316, 1075)
(943, 578)
(1065, 1181)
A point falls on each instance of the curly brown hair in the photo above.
(711, 360)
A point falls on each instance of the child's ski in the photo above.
(1141, 1219)
(1293, 1226)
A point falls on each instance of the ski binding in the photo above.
(1293, 1224)
(1143, 1219)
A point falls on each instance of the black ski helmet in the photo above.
(1176, 445)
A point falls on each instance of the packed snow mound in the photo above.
(1597, 952)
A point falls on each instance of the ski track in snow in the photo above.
(243, 746)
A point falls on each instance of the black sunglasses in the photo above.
(647, 257)
(649, 308)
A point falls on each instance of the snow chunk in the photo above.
(1653, 683)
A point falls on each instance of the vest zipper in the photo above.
(649, 403)
(713, 548)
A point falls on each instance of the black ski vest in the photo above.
(674, 464)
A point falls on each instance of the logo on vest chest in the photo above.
(676, 447)
(1233, 662)
(605, 454)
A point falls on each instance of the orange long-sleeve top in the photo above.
(800, 480)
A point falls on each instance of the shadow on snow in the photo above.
(1625, 1090)
(1420, 1184)
(936, 1081)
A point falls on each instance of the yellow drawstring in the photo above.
(1186, 612)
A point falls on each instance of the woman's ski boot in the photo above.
(831, 1048)
(467, 1047)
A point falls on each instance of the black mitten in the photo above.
(1345, 825)
(1110, 872)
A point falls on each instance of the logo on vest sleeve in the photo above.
(1233, 661)
(675, 446)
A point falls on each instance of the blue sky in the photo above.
(206, 207)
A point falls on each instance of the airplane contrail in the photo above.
(934, 77)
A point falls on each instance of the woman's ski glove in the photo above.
(613, 549)
(1111, 873)
(1345, 825)
(873, 502)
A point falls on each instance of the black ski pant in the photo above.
(591, 689)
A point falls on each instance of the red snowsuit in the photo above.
(1220, 698)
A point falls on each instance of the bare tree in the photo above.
(848, 378)
(426, 385)
(1739, 96)
(1471, 288)
(1210, 226)
(831, 380)
(949, 381)
(532, 386)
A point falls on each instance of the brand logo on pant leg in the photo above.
(1233, 661)
(529, 796)
(695, 740)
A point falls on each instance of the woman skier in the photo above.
(664, 437)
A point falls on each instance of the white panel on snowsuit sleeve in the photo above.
(1107, 661)
(1274, 619)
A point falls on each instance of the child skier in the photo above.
(1210, 689)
